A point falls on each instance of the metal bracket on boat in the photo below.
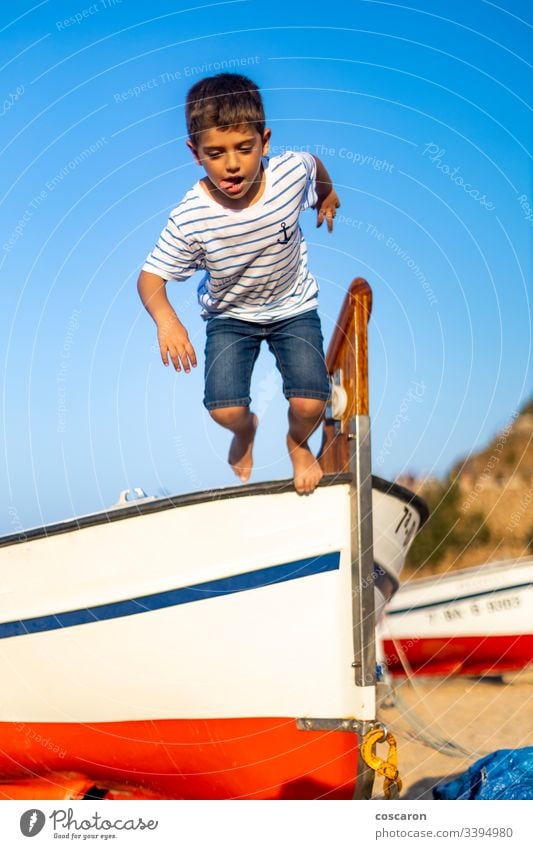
(128, 497)
(308, 724)
(388, 768)
(359, 425)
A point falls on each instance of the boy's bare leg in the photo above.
(243, 424)
(305, 415)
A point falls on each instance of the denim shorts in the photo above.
(232, 347)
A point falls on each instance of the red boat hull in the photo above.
(177, 759)
(460, 655)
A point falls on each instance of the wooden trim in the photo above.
(348, 350)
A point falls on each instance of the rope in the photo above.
(434, 741)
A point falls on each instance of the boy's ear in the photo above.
(194, 151)
(266, 141)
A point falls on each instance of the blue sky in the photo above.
(421, 114)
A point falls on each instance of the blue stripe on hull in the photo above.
(171, 598)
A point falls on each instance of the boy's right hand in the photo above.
(174, 344)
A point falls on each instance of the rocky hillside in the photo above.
(483, 510)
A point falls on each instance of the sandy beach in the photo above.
(478, 715)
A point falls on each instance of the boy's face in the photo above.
(232, 160)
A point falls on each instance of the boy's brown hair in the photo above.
(225, 100)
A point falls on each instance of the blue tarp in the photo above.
(507, 774)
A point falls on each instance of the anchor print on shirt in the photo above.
(286, 236)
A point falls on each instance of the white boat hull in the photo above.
(472, 621)
(230, 606)
(178, 644)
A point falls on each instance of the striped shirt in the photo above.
(255, 258)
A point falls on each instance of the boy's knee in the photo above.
(307, 408)
(228, 416)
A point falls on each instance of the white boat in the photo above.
(116, 618)
(474, 621)
(212, 645)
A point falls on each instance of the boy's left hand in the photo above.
(326, 208)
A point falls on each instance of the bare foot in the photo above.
(307, 471)
(240, 451)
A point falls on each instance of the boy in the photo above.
(240, 224)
